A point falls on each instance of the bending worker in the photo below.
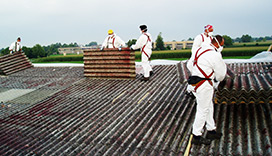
(113, 41)
(207, 69)
(15, 46)
(145, 43)
(203, 38)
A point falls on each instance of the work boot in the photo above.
(198, 140)
(145, 79)
(190, 94)
(151, 73)
(213, 135)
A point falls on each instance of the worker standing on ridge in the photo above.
(145, 43)
(16, 46)
(203, 38)
(113, 41)
(207, 70)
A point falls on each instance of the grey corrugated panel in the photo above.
(33, 97)
(60, 126)
(4, 89)
(74, 120)
(49, 72)
(143, 93)
(149, 123)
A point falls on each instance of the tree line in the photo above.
(38, 51)
(228, 40)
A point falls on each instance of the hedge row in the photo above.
(162, 54)
(59, 59)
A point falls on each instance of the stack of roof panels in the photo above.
(13, 63)
(252, 83)
(109, 63)
(244, 83)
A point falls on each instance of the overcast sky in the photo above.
(46, 22)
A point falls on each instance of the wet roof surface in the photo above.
(68, 114)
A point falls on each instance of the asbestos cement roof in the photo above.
(68, 114)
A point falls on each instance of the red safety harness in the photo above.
(203, 73)
(203, 37)
(148, 39)
(113, 39)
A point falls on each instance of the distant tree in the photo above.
(237, 39)
(190, 39)
(52, 49)
(246, 38)
(91, 44)
(160, 43)
(28, 52)
(268, 37)
(4, 51)
(38, 51)
(131, 42)
(73, 45)
(228, 40)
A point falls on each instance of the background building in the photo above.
(177, 45)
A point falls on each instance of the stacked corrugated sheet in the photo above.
(252, 83)
(12, 63)
(109, 63)
(244, 83)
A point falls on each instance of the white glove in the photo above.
(190, 88)
(216, 84)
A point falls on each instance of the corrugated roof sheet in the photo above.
(12, 63)
(124, 117)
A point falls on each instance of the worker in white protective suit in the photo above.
(15, 46)
(207, 70)
(145, 44)
(113, 41)
(203, 38)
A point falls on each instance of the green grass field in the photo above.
(238, 51)
(266, 43)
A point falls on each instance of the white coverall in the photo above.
(200, 40)
(209, 62)
(113, 41)
(145, 43)
(15, 48)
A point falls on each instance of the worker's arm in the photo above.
(140, 42)
(197, 43)
(104, 44)
(120, 42)
(220, 68)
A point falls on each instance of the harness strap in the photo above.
(202, 37)
(113, 39)
(148, 39)
(15, 47)
(203, 73)
(113, 42)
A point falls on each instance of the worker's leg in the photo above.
(145, 65)
(203, 99)
(210, 124)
